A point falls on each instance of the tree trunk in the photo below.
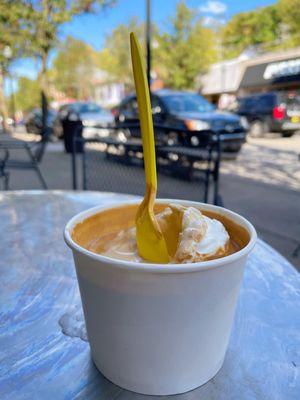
(44, 92)
(3, 107)
(43, 73)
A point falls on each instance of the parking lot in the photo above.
(262, 184)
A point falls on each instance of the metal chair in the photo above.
(184, 172)
(34, 152)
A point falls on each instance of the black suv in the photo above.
(183, 110)
(271, 112)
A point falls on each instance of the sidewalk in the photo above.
(263, 185)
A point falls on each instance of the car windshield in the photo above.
(87, 108)
(189, 102)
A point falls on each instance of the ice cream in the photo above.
(190, 236)
(201, 237)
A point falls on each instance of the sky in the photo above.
(94, 28)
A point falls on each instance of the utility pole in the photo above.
(148, 40)
(13, 101)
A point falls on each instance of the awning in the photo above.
(223, 77)
(272, 72)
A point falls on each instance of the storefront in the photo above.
(223, 79)
(245, 75)
(276, 75)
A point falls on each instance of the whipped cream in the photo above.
(191, 237)
(201, 237)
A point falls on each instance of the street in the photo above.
(262, 184)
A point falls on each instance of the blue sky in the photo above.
(94, 28)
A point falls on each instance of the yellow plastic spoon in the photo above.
(150, 240)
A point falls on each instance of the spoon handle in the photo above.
(145, 113)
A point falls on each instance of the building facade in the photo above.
(251, 74)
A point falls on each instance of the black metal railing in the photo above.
(4, 175)
(33, 151)
(113, 163)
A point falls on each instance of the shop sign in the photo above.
(282, 68)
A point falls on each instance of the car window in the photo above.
(131, 107)
(291, 101)
(246, 104)
(62, 108)
(86, 108)
(187, 102)
(123, 104)
(266, 101)
(63, 111)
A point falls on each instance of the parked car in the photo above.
(271, 112)
(183, 110)
(92, 116)
(33, 122)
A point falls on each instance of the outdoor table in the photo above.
(44, 353)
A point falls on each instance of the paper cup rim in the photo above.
(162, 268)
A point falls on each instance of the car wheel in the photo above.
(287, 134)
(257, 129)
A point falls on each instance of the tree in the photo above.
(269, 28)
(115, 56)
(39, 22)
(179, 55)
(47, 18)
(28, 94)
(73, 68)
(12, 43)
(254, 28)
(289, 11)
(186, 50)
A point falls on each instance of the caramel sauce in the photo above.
(101, 231)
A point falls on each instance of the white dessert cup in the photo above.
(159, 329)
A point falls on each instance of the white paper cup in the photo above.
(159, 329)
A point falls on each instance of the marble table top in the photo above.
(44, 353)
